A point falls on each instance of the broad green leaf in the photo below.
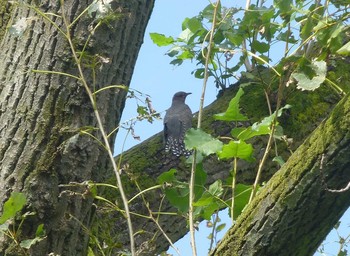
(345, 49)
(177, 62)
(249, 132)
(258, 128)
(186, 35)
(235, 38)
(210, 202)
(260, 46)
(160, 39)
(202, 142)
(284, 6)
(232, 113)
(13, 205)
(305, 83)
(186, 55)
(167, 177)
(194, 24)
(178, 196)
(242, 195)
(238, 149)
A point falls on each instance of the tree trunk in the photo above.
(42, 114)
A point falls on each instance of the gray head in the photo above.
(180, 96)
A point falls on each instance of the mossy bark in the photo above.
(295, 211)
(42, 113)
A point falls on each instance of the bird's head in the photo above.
(181, 96)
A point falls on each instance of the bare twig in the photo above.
(200, 113)
(102, 130)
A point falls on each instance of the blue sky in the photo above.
(154, 76)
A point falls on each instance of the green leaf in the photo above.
(244, 134)
(235, 38)
(39, 235)
(90, 252)
(279, 160)
(177, 192)
(177, 62)
(258, 128)
(13, 205)
(242, 195)
(194, 24)
(260, 46)
(160, 39)
(232, 113)
(210, 200)
(167, 177)
(186, 35)
(238, 149)
(345, 49)
(305, 83)
(202, 142)
(220, 227)
(178, 196)
(40, 231)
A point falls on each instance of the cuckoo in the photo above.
(177, 120)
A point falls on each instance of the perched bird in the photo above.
(177, 120)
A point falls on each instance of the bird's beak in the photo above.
(188, 93)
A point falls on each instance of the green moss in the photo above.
(5, 14)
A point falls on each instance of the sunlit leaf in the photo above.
(238, 149)
(232, 113)
(202, 142)
(345, 49)
(194, 24)
(160, 39)
(305, 83)
(13, 205)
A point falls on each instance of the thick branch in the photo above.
(294, 212)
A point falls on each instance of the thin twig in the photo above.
(103, 133)
(200, 113)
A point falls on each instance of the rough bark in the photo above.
(148, 160)
(294, 211)
(41, 114)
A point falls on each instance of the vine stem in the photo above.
(233, 187)
(200, 113)
(103, 132)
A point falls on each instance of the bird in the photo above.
(177, 120)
